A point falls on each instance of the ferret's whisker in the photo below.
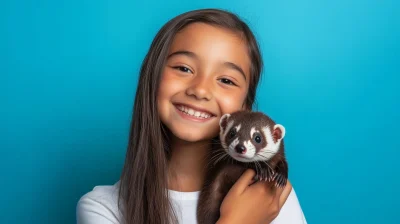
(265, 161)
(216, 152)
(220, 158)
(215, 157)
(269, 152)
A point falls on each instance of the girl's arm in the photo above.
(257, 204)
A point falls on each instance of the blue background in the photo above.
(68, 76)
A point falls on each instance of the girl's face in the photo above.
(206, 75)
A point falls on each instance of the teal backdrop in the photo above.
(69, 72)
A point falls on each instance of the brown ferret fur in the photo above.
(249, 140)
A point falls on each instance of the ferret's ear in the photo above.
(279, 132)
(224, 121)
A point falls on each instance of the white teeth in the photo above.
(194, 113)
(191, 112)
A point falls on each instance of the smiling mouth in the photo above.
(194, 113)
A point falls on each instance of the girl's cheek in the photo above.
(169, 83)
(231, 103)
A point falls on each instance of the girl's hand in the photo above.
(255, 204)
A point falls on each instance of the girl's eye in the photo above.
(227, 81)
(183, 69)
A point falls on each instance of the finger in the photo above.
(285, 194)
(271, 189)
(262, 186)
(244, 181)
(276, 192)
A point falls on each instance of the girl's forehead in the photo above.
(213, 44)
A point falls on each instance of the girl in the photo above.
(201, 65)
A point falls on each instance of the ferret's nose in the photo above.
(240, 149)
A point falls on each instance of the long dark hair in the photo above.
(143, 184)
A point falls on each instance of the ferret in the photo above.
(249, 140)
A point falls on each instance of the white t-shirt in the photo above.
(99, 206)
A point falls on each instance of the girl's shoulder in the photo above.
(99, 205)
(291, 211)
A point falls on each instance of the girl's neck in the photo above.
(186, 168)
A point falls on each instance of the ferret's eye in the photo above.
(232, 133)
(257, 139)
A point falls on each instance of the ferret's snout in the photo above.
(240, 149)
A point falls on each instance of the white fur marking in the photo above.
(272, 148)
(251, 149)
(224, 132)
(225, 116)
(238, 127)
(248, 156)
(252, 131)
(231, 149)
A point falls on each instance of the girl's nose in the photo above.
(200, 88)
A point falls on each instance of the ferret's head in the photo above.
(250, 136)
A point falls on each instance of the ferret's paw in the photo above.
(266, 174)
(280, 180)
(257, 177)
(281, 171)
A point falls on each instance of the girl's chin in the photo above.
(192, 136)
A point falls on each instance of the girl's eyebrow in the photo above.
(187, 53)
(235, 67)
(227, 64)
